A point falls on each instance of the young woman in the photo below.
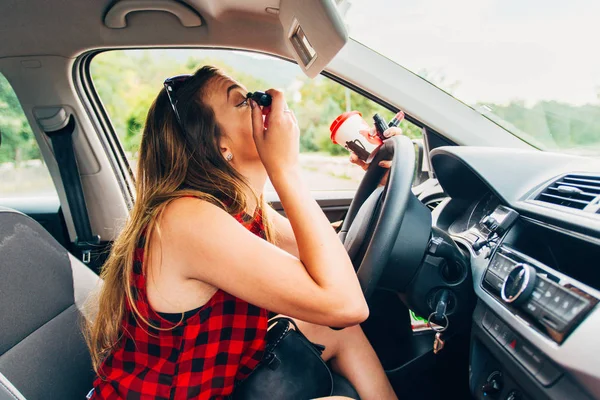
(183, 308)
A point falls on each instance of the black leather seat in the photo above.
(42, 291)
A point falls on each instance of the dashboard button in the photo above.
(496, 328)
(542, 283)
(532, 307)
(490, 277)
(506, 336)
(548, 374)
(494, 281)
(505, 267)
(548, 294)
(529, 357)
(578, 306)
(495, 265)
(561, 301)
(488, 320)
(511, 346)
(537, 294)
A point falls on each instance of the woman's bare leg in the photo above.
(353, 357)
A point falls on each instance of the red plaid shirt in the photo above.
(214, 347)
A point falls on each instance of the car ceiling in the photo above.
(70, 27)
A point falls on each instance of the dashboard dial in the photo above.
(519, 284)
(474, 213)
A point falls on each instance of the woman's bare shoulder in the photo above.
(185, 208)
(181, 219)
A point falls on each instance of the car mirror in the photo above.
(314, 31)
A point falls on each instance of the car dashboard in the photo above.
(530, 221)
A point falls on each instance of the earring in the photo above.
(229, 157)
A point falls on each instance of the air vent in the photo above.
(574, 191)
(433, 204)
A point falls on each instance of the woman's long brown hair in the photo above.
(173, 162)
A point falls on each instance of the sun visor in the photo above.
(314, 32)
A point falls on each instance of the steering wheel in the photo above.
(375, 216)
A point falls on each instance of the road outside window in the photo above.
(23, 172)
(531, 67)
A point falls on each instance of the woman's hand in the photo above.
(385, 163)
(278, 145)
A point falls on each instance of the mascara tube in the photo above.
(380, 125)
(261, 98)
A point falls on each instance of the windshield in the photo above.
(531, 66)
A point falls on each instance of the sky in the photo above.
(490, 50)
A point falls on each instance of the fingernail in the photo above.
(252, 103)
(381, 163)
(387, 133)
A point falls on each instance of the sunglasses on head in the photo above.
(172, 84)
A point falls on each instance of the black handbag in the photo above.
(291, 368)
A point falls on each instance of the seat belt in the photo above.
(62, 144)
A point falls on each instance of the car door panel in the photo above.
(334, 204)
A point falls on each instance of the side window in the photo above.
(128, 80)
(22, 168)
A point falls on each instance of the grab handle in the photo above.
(115, 18)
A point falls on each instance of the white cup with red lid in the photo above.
(347, 131)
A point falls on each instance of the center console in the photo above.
(529, 290)
(542, 302)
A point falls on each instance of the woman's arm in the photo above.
(285, 238)
(207, 244)
(284, 234)
(321, 287)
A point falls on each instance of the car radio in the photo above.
(531, 292)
